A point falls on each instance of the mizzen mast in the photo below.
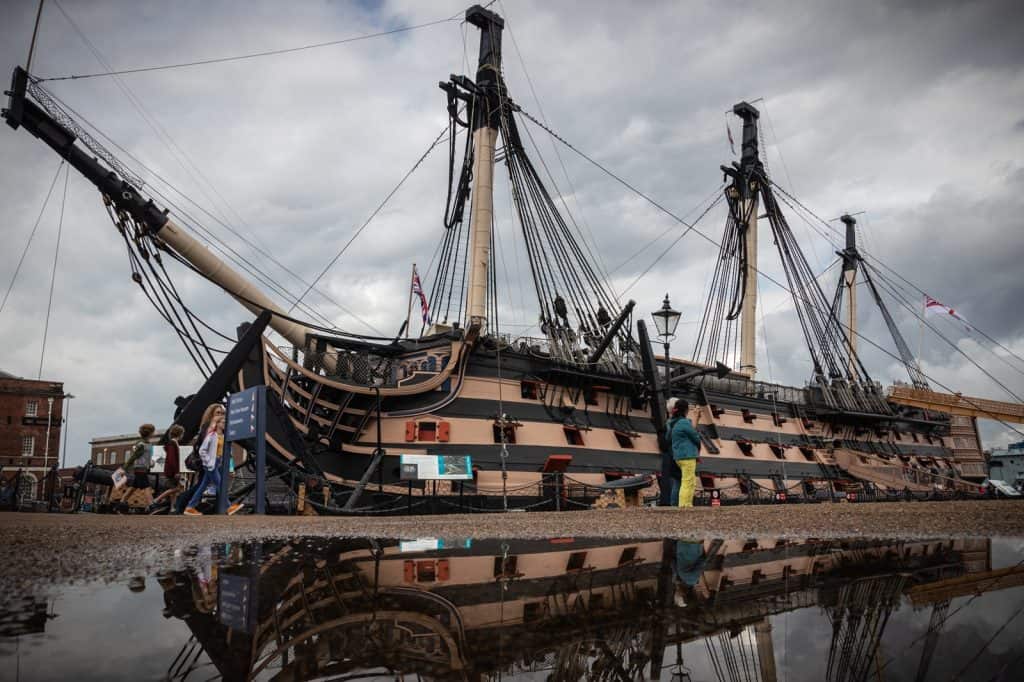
(484, 128)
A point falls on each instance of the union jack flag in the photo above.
(417, 288)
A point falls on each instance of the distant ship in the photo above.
(561, 420)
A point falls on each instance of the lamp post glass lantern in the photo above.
(665, 321)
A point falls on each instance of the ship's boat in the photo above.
(567, 608)
(575, 415)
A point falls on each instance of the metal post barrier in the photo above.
(261, 453)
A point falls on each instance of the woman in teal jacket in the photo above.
(685, 447)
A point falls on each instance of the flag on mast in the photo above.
(933, 307)
(728, 131)
(417, 288)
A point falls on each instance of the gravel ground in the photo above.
(44, 549)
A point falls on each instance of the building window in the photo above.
(28, 446)
(27, 487)
(32, 408)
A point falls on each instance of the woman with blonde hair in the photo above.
(212, 410)
(210, 452)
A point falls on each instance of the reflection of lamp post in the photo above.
(666, 320)
(67, 421)
(49, 420)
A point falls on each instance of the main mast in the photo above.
(485, 124)
(850, 260)
(748, 185)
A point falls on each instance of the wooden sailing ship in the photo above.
(551, 421)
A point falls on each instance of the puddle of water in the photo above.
(559, 609)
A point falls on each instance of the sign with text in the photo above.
(436, 467)
(235, 597)
(243, 413)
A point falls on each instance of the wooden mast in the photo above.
(748, 188)
(485, 125)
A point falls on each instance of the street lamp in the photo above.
(66, 430)
(666, 320)
(49, 421)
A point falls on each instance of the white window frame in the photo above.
(30, 441)
(32, 408)
(27, 485)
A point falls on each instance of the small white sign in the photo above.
(421, 545)
(119, 477)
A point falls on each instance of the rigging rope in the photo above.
(251, 55)
(765, 275)
(31, 235)
(60, 110)
(53, 273)
(878, 260)
(380, 206)
(211, 239)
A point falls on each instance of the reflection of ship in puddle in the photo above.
(566, 608)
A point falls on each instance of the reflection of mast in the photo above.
(859, 617)
(765, 650)
(935, 624)
(736, 654)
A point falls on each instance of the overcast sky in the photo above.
(911, 112)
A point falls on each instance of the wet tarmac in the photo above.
(561, 608)
(47, 548)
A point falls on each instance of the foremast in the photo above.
(485, 125)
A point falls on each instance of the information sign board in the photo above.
(247, 412)
(234, 601)
(243, 413)
(436, 467)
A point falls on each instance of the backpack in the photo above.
(193, 461)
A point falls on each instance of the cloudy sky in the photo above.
(911, 112)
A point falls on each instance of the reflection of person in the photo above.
(685, 446)
(690, 560)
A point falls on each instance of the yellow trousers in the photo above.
(689, 469)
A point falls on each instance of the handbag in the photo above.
(193, 462)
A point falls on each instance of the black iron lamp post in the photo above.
(666, 320)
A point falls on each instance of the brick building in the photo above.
(31, 416)
(104, 450)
